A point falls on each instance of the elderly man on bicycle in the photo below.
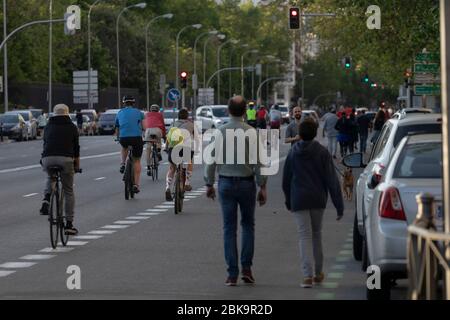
(129, 132)
(154, 126)
(61, 149)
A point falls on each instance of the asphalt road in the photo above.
(141, 250)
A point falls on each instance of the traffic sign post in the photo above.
(81, 87)
(428, 90)
(427, 57)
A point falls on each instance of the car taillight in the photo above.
(391, 205)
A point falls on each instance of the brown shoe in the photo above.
(307, 283)
(318, 279)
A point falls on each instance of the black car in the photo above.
(107, 123)
(13, 126)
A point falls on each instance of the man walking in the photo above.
(237, 187)
(309, 175)
(329, 130)
(363, 125)
(292, 135)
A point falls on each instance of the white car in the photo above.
(392, 133)
(310, 114)
(285, 114)
(170, 116)
(212, 116)
(416, 167)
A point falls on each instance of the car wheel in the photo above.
(357, 241)
(383, 293)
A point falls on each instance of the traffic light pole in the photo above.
(183, 98)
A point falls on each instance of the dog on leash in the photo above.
(347, 184)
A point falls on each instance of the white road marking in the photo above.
(126, 222)
(76, 243)
(17, 265)
(168, 203)
(138, 218)
(102, 232)
(117, 226)
(164, 207)
(38, 257)
(57, 250)
(6, 273)
(101, 178)
(88, 237)
(30, 195)
(149, 213)
(156, 210)
(36, 166)
(190, 197)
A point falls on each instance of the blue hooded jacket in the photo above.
(309, 175)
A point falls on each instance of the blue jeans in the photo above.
(233, 192)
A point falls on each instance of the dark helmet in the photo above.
(128, 99)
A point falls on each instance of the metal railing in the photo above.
(428, 252)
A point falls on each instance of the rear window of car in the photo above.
(403, 131)
(108, 117)
(220, 112)
(9, 119)
(420, 161)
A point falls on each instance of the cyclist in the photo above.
(251, 114)
(129, 133)
(154, 126)
(174, 137)
(62, 149)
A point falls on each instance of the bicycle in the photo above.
(57, 217)
(178, 188)
(153, 160)
(128, 175)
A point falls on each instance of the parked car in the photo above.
(30, 121)
(392, 133)
(310, 114)
(285, 115)
(416, 167)
(14, 126)
(398, 114)
(213, 116)
(169, 117)
(88, 127)
(107, 122)
(93, 117)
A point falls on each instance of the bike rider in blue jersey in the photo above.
(129, 133)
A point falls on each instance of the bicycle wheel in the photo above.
(62, 219)
(177, 193)
(154, 165)
(131, 179)
(53, 217)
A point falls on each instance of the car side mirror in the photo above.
(354, 160)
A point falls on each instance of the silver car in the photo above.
(392, 133)
(213, 117)
(416, 167)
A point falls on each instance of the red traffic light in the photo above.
(294, 13)
(294, 18)
(184, 74)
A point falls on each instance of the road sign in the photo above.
(426, 68)
(173, 95)
(433, 90)
(426, 78)
(427, 57)
(81, 87)
(206, 96)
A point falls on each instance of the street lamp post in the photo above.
(196, 26)
(303, 86)
(5, 65)
(242, 68)
(232, 41)
(141, 5)
(195, 76)
(147, 67)
(50, 59)
(220, 36)
(245, 45)
(89, 54)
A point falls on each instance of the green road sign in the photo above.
(427, 57)
(426, 68)
(428, 90)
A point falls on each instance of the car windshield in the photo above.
(284, 109)
(90, 115)
(36, 113)
(170, 114)
(9, 119)
(108, 117)
(220, 112)
(25, 116)
(420, 161)
(403, 131)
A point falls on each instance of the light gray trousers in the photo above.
(310, 241)
(67, 174)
